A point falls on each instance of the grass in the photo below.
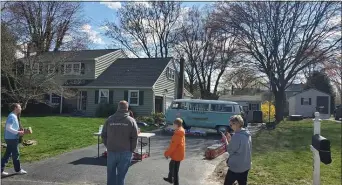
(283, 156)
(56, 135)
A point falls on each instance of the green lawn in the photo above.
(56, 135)
(283, 156)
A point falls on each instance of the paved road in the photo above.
(82, 166)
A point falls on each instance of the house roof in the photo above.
(80, 55)
(241, 98)
(295, 87)
(309, 90)
(135, 72)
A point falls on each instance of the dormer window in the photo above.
(170, 73)
(72, 68)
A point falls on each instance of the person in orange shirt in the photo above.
(176, 151)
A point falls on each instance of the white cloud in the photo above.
(92, 34)
(112, 5)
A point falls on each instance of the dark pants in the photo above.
(11, 149)
(173, 171)
(231, 177)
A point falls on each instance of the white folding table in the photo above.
(140, 135)
(145, 135)
(98, 134)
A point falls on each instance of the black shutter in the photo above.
(82, 68)
(250, 107)
(46, 68)
(96, 96)
(301, 101)
(309, 101)
(126, 96)
(111, 96)
(141, 97)
(62, 69)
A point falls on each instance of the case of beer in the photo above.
(215, 150)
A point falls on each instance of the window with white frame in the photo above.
(55, 99)
(35, 68)
(72, 68)
(103, 96)
(133, 97)
(50, 68)
(170, 73)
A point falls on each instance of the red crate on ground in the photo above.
(137, 154)
(215, 150)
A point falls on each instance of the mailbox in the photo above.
(322, 144)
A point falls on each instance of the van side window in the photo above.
(221, 108)
(198, 106)
(179, 105)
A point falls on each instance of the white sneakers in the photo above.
(21, 172)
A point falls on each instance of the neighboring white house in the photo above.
(248, 103)
(309, 101)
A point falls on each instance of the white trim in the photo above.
(107, 87)
(103, 90)
(129, 97)
(49, 66)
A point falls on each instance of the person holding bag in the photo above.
(12, 133)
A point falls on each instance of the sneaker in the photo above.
(4, 174)
(168, 180)
(21, 172)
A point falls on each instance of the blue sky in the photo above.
(98, 12)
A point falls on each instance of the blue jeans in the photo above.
(11, 149)
(117, 167)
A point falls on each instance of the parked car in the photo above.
(338, 112)
(211, 114)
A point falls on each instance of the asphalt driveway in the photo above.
(82, 166)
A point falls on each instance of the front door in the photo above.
(82, 101)
(158, 104)
(323, 104)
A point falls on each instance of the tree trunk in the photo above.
(279, 105)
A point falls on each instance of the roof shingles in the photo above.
(132, 72)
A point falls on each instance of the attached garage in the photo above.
(306, 103)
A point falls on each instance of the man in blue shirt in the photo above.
(12, 133)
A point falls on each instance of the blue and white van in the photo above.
(211, 114)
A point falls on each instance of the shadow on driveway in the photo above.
(94, 161)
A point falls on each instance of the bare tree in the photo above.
(279, 38)
(242, 78)
(26, 79)
(208, 53)
(145, 29)
(44, 25)
(333, 68)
